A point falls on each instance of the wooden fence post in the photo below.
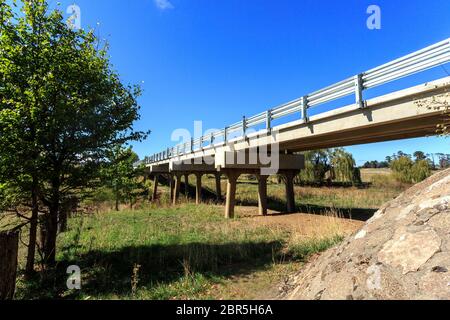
(9, 244)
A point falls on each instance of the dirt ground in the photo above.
(267, 284)
(301, 223)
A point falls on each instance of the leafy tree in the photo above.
(336, 163)
(317, 164)
(344, 166)
(407, 171)
(19, 95)
(62, 107)
(120, 175)
(419, 156)
(444, 160)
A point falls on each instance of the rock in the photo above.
(403, 252)
(410, 250)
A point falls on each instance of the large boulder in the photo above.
(403, 252)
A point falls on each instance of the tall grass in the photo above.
(165, 253)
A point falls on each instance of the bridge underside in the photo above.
(288, 165)
(395, 116)
(421, 126)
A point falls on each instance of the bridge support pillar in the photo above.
(186, 185)
(231, 194)
(262, 195)
(176, 191)
(198, 188)
(289, 176)
(155, 187)
(218, 188)
(171, 185)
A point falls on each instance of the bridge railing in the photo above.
(419, 61)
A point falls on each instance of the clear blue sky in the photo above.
(217, 60)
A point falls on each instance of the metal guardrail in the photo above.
(419, 61)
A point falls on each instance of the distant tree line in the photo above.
(434, 160)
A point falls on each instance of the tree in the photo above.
(317, 164)
(19, 150)
(419, 156)
(344, 166)
(120, 175)
(337, 163)
(60, 96)
(407, 171)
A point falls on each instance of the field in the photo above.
(157, 251)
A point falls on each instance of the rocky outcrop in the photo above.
(403, 252)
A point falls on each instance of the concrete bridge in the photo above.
(238, 150)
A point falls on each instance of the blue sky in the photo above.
(217, 60)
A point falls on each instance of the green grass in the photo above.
(166, 253)
(192, 252)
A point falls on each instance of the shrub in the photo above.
(407, 171)
(420, 171)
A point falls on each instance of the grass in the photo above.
(165, 254)
(191, 252)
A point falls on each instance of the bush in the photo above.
(407, 171)
(420, 171)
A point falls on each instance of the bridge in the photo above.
(256, 145)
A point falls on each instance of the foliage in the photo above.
(61, 107)
(374, 164)
(317, 164)
(344, 167)
(120, 176)
(408, 171)
(337, 164)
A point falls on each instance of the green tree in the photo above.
(19, 96)
(317, 164)
(419, 156)
(120, 175)
(62, 107)
(407, 171)
(344, 166)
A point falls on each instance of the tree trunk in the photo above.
(63, 221)
(9, 245)
(29, 269)
(51, 232)
(51, 226)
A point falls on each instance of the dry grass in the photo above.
(157, 251)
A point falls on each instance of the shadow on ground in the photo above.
(275, 204)
(106, 273)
